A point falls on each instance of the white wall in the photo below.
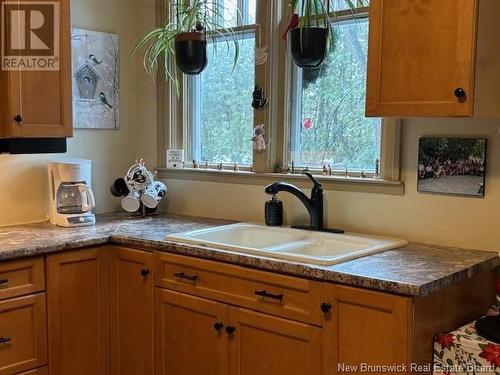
(437, 219)
(24, 186)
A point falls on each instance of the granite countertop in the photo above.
(413, 270)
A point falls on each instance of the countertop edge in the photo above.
(312, 272)
(308, 271)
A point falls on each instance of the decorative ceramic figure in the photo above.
(259, 142)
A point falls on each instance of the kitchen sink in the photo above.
(303, 246)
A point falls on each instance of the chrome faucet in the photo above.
(314, 205)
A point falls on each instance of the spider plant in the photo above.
(184, 38)
(311, 30)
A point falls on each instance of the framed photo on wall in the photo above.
(455, 166)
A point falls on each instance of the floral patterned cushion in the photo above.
(463, 351)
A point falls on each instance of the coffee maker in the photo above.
(71, 196)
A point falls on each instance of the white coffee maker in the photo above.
(71, 196)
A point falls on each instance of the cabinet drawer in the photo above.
(280, 295)
(23, 334)
(38, 371)
(21, 277)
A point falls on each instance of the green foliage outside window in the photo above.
(333, 128)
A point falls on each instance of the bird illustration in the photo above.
(94, 59)
(104, 100)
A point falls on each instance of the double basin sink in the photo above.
(318, 248)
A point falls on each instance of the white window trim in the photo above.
(174, 134)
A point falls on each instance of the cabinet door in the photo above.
(190, 336)
(365, 327)
(267, 345)
(131, 312)
(41, 97)
(78, 311)
(420, 52)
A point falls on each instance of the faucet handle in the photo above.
(317, 185)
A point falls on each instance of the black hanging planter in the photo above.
(191, 52)
(309, 46)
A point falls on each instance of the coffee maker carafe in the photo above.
(71, 196)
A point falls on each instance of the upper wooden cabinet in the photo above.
(433, 58)
(35, 74)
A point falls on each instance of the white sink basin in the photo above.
(290, 244)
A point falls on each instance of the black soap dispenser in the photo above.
(274, 212)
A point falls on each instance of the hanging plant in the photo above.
(310, 31)
(184, 39)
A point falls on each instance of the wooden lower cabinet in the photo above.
(78, 307)
(131, 314)
(190, 335)
(366, 328)
(23, 334)
(196, 335)
(267, 345)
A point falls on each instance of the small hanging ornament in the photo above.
(261, 55)
(259, 143)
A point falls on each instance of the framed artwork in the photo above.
(96, 80)
(454, 166)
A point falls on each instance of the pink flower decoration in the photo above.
(307, 123)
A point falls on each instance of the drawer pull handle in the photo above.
(145, 272)
(4, 281)
(182, 275)
(5, 340)
(264, 294)
(218, 326)
(326, 307)
(230, 330)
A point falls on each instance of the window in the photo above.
(219, 109)
(314, 117)
(328, 124)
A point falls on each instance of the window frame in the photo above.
(271, 20)
(193, 88)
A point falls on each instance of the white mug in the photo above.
(153, 194)
(131, 202)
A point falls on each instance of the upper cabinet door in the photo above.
(421, 58)
(35, 79)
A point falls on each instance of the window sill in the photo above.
(334, 183)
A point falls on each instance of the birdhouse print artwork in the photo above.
(96, 85)
(87, 78)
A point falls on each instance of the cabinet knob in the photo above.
(218, 326)
(230, 330)
(5, 340)
(326, 307)
(460, 93)
(18, 119)
(145, 272)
